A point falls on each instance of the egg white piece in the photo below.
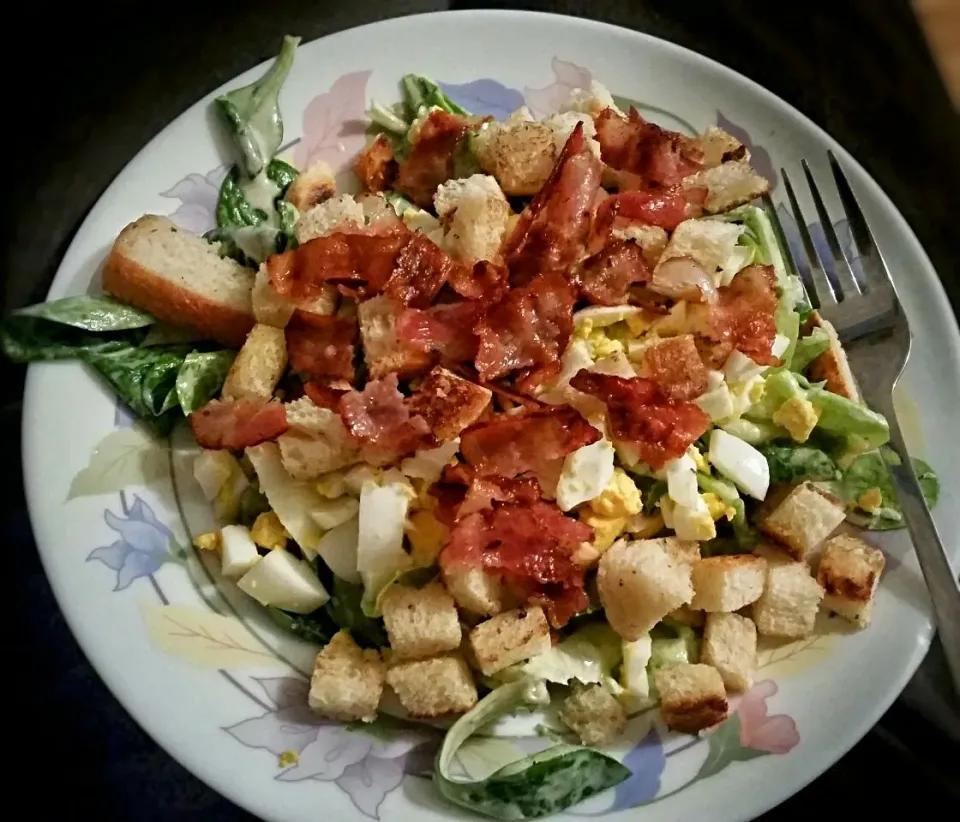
(740, 463)
(585, 474)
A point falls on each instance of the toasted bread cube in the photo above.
(312, 186)
(594, 714)
(269, 306)
(686, 551)
(420, 622)
(688, 616)
(327, 217)
(789, 603)
(832, 366)
(259, 365)
(383, 352)
(730, 646)
(640, 583)
(510, 637)
(433, 687)
(719, 147)
(850, 572)
(520, 155)
(692, 697)
(728, 583)
(709, 243)
(317, 441)
(773, 554)
(728, 185)
(651, 238)
(449, 403)
(475, 214)
(347, 682)
(475, 590)
(803, 520)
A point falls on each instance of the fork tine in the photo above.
(818, 288)
(876, 271)
(843, 271)
(791, 263)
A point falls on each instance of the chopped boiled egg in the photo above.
(600, 316)
(212, 469)
(428, 464)
(238, 551)
(333, 512)
(210, 541)
(268, 532)
(740, 368)
(585, 474)
(605, 529)
(716, 402)
(427, 536)
(688, 522)
(332, 485)
(717, 507)
(740, 463)
(644, 526)
(681, 476)
(633, 673)
(338, 549)
(780, 344)
(799, 416)
(283, 581)
(358, 476)
(383, 517)
(620, 498)
(616, 365)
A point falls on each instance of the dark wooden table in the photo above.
(88, 86)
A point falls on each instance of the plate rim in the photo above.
(110, 674)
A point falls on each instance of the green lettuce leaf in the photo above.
(872, 470)
(795, 463)
(201, 376)
(98, 314)
(808, 349)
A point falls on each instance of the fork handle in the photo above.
(934, 563)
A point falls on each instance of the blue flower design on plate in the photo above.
(646, 762)
(143, 546)
(485, 97)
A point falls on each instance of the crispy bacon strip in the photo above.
(667, 208)
(606, 277)
(420, 270)
(376, 166)
(639, 414)
(478, 493)
(511, 444)
(324, 395)
(430, 161)
(321, 346)
(552, 231)
(237, 424)
(379, 417)
(446, 329)
(484, 280)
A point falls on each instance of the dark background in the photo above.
(88, 85)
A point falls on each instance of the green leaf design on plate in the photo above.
(725, 749)
(125, 458)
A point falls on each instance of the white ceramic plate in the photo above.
(210, 678)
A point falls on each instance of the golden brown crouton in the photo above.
(728, 583)
(375, 165)
(729, 185)
(682, 550)
(475, 213)
(594, 714)
(674, 364)
(347, 682)
(259, 365)
(832, 366)
(691, 696)
(719, 147)
(317, 441)
(430, 688)
(510, 637)
(420, 622)
(640, 583)
(383, 352)
(803, 520)
(312, 186)
(477, 591)
(269, 307)
(520, 156)
(449, 403)
(329, 216)
(789, 603)
(850, 572)
(730, 646)
(686, 615)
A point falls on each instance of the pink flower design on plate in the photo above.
(775, 734)
(545, 101)
(198, 195)
(334, 123)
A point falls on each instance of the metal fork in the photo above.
(864, 308)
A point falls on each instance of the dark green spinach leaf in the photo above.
(97, 314)
(794, 463)
(316, 627)
(201, 376)
(345, 609)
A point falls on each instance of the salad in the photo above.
(536, 419)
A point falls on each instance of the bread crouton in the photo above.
(347, 682)
(729, 185)
(832, 366)
(474, 213)
(317, 441)
(420, 622)
(692, 696)
(272, 308)
(682, 550)
(674, 364)
(728, 583)
(789, 603)
(259, 365)
(327, 217)
(563, 124)
(849, 573)
(383, 352)
(805, 518)
(719, 147)
(510, 637)
(687, 616)
(475, 590)
(708, 243)
(449, 403)
(520, 156)
(640, 583)
(594, 714)
(312, 186)
(651, 238)
(430, 688)
(730, 646)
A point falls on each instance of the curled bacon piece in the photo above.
(237, 424)
(321, 346)
(511, 444)
(529, 328)
(638, 413)
(465, 492)
(655, 157)
(552, 231)
(446, 329)
(484, 280)
(532, 546)
(606, 277)
(430, 161)
(420, 270)
(667, 208)
(379, 417)
(375, 165)
(323, 395)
